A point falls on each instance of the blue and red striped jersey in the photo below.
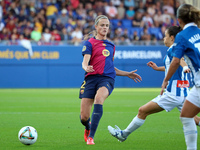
(102, 57)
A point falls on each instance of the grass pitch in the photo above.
(55, 115)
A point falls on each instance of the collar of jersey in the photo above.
(189, 25)
(99, 40)
(170, 46)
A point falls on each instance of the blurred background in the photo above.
(41, 40)
(49, 22)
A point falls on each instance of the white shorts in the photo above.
(169, 102)
(194, 96)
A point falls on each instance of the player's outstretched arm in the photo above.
(155, 67)
(132, 75)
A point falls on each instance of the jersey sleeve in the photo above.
(178, 47)
(87, 48)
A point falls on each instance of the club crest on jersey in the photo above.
(84, 48)
(104, 44)
(82, 91)
(105, 53)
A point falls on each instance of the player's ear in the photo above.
(180, 22)
(172, 38)
(95, 27)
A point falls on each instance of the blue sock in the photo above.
(96, 116)
(86, 124)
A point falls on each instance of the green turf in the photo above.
(55, 115)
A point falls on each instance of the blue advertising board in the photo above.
(60, 66)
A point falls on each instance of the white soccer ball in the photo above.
(27, 135)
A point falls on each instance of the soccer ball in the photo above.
(27, 135)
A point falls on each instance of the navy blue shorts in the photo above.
(92, 83)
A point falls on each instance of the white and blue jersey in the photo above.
(187, 44)
(178, 84)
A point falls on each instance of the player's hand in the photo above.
(135, 76)
(152, 65)
(186, 69)
(89, 69)
(164, 85)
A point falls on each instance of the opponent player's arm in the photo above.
(85, 66)
(172, 69)
(155, 67)
(132, 74)
(184, 65)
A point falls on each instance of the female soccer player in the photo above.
(173, 97)
(187, 44)
(98, 56)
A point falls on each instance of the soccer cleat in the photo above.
(86, 134)
(90, 141)
(116, 132)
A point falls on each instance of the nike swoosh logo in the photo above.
(96, 113)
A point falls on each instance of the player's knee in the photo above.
(99, 100)
(183, 114)
(84, 118)
(142, 111)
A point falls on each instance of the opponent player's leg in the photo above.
(161, 102)
(196, 118)
(86, 106)
(100, 97)
(189, 110)
(147, 109)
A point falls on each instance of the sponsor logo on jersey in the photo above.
(84, 48)
(105, 52)
(183, 84)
